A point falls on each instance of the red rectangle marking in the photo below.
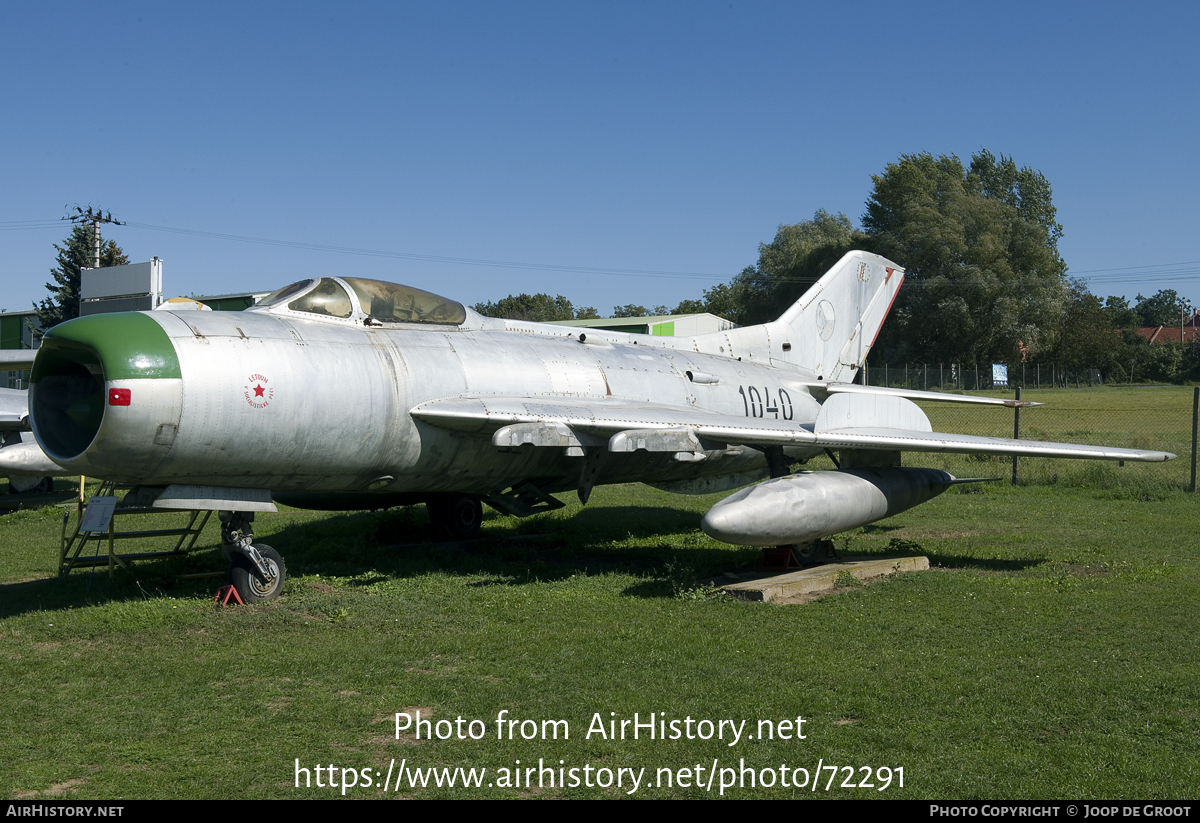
(118, 397)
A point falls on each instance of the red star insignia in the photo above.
(258, 391)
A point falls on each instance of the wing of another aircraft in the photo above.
(845, 422)
(20, 456)
(17, 359)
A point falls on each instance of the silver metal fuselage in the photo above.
(314, 405)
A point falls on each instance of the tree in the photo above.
(631, 310)
(982, 281)
(690, 307)
(1120, 313)
(721, 301)
(718, 300)
(787, 267)
(80, 252)
(536, 308)
(1088, 339)
(1165, 308)
(1024, 189)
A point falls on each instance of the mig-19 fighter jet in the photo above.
(347, 393)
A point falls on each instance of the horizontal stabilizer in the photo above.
(914, 394)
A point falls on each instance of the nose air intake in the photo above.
(67, 406)
(75, 371)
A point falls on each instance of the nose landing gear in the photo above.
(256, 570)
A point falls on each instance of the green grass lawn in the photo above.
(1051, 652)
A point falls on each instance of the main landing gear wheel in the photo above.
(814, 553)
(458, 516)
(249, 582)
(26, 485)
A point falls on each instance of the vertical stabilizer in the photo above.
(829, 330)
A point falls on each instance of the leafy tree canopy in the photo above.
(690, 307)
(719, 300)
(787, 267)
(1120, 314)
(1087, 338)
(536, 308)
(542, 308)
(982, 281)
(631, 310)
(1024, 189)
(79, 252)
(1165, 308)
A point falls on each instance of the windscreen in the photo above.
(283, 294)
(329, 299)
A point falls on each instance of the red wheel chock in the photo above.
(224, 593)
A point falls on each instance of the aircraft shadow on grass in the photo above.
(371, 547)
(403, 544)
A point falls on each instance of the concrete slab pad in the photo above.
(777, 587)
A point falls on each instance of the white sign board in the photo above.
(99, 511)
(133, 280)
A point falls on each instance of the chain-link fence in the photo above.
(1142, 417)
(957, 377)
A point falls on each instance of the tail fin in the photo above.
(829, 330)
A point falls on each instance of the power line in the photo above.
(21, 225)
(432, 258)
(1154, 273)
(1133, 268)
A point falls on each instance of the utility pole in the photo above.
(95, 218)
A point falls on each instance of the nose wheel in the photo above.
(252, 585)
(256, 571)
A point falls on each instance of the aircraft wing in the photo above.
(931, 441)
(599, 417)
(844, 423)
(17, 359)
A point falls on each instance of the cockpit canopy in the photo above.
(371, 302)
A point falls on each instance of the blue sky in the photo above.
(623, 152)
